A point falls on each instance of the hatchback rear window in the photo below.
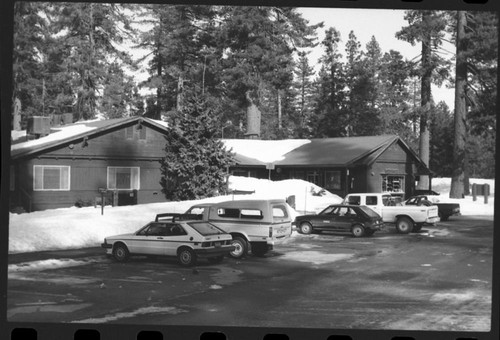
(206, 228)
(369, 211)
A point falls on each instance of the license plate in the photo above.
(217, 244)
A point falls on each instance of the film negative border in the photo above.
(60, 331)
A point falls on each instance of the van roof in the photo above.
(250, 202)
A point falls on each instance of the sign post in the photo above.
(102, 191)
(270, 166)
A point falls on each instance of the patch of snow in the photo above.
(315, 257)
(140, 311)
(56, 134)
(215, 287)
(454, 297)
(260, 150)
(48, 264)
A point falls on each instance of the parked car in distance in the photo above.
(255, 225)
(445, 210)
(184, 237)
(406, 218)
(356, 219)
(425, 192)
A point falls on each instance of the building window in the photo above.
(313, 177)
(142, 133)
(123, 178)
(51, 178)
(333, 180)
(393, 183)
(129, 132)
(298, 175)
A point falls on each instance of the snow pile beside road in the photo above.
(308, 196)
(467, 205)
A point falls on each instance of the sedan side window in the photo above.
(177, 230)
(156, 230)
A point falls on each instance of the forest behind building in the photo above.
(83, 58)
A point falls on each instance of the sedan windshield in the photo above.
(206, 228)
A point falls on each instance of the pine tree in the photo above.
(304, 91)
(330, 117)
(90, 33)
(196, 162)
(426, 27)
(257, 46)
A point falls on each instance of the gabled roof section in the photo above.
(77, 132)
(340, 152)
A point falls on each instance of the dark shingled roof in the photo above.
(342, 151)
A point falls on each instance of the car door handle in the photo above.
(159, 238)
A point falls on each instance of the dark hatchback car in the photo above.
(358, 220)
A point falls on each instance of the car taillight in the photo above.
(270, 231)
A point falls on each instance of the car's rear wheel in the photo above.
(120, 252)
(306, 228)
(357, 230)
(186, 257)
(241, 247)
(404, 225)
(217, 259)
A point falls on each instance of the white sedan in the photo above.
(188, 240)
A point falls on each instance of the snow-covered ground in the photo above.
(72, 228)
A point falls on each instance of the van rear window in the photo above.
(254, 214)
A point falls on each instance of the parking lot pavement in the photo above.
(437, 279)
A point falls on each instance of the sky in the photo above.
(381, 23)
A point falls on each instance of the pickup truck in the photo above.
(406, 218)
(445, 210)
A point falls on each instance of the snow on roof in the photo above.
(67, 132)
(56, 134)
(267, 151)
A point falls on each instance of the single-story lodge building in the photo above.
(74, 163)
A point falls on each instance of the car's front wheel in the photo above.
(306, 228)
(357, 230)
(186, 257)
(120, 252)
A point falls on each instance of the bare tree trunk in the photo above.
(279, 110)
(424, 144)
(458, 176)
(180, 92)
(253, 118)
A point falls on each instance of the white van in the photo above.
(254, 224)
